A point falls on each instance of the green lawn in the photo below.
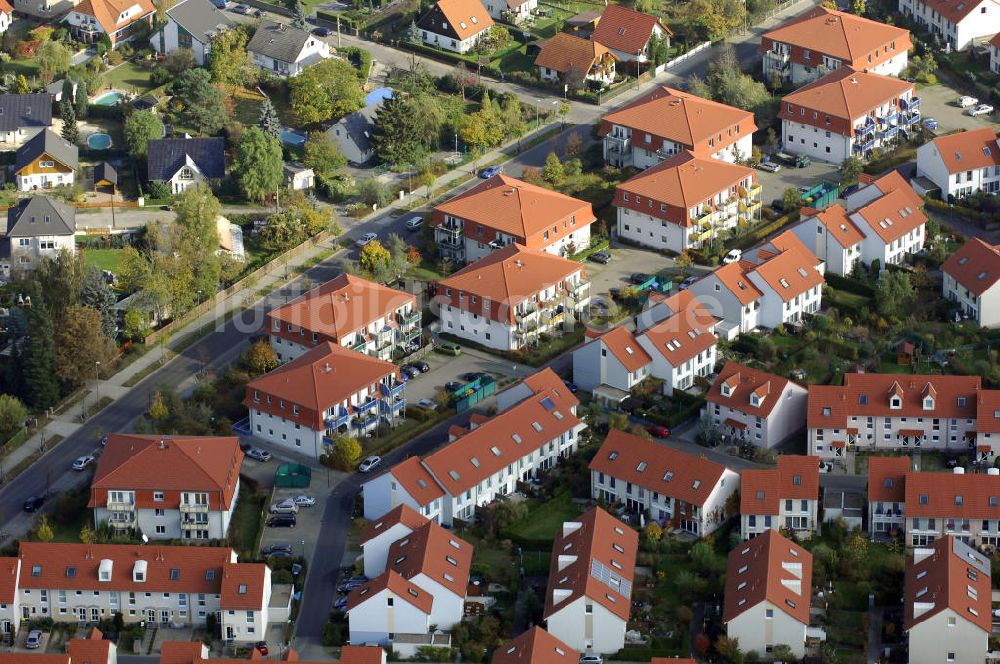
(130, 77)
(244, 530)
(544, 521)
(105, 259)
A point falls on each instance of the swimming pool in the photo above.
(289, 137)
(109, 98)
(99, 141)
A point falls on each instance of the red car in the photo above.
(261, 647)
(657, 430)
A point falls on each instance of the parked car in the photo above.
(420, 366)
(639, 278)
(221, 4)
(409, 371)
(304, 501)
(778, 205)
(571, 386)
(966, 101)
(414, 223)
(284, 507)
(34, 639)
(616, 294)
(81, 463)
(365, 239)
(281, 521)
(929, 123)
(796, 160)
(258, 454)
(602, 257)
(591, 659)
(733, 256)
(428, 404)
(769, 166)
(369, 464)
(272, 549)
(33, 503)
(489, 172)
(257, 13)
(340, 604)
(449, 349)
(687, 283)
(261, 647)
(981, 109)
(241, 9)
(321, 32)
(657, 431)
(352, 583)
(453, 386)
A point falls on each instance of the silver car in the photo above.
(284, 507)
(34, 639)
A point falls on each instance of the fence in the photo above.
(268, 7)
(649, 75)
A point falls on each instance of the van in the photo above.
(414, 223)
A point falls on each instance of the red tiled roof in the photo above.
(843, 94)
(988, 412)
(792, 271)
(243, 585)
(9, 570)
(955, 11)
(742, 381)
(626, 30)
(943, 580)
(995, 42)
(181, 652)
(887, 478)
(685, 334)
(416, 480)
(403, 514)
(621, 343)
(434, 552)
(838, 225)
(93, 649)
(108, 12)
(360, 655)
(968, 150)
(564, 52)
(33, 658)
(952, 496)
(582, 549)
(769, 568)
(6, 7)
(896, 212)
(796, 478)
(976, 265)
(655, 467)
(399, 587)
(733, 277)
(535, 646)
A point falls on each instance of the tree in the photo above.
(717, 18)
(268, 120)
(230, 61)
(87, 535)
(326, 91)
(683, 261)
(82, 102)
(158, 408)
(725, 82)
(283, 230)
(850, 170)
(373, 191)
(39, 359)
(180, 60)
(553, 171)
(80, 343)
(345, 453)
(406, 127)
(45, 533)
(322, 154)
(299, 15)
(59, 279)
(729, 650)
(791, 199)
(203, 105)
(70, 132)
(894, 293)
(141, 127)
(647, 6)
(194, 240)
(260, 358)
(573, 147)
(96, 293)
(67, 89)
(21, 85)
(137, 325)
(53, 60)
(12, 415)
(483, 128)
(858, 7)
(258, 167)
(374, 258)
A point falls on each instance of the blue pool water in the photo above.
(108, 98)
(289, 137)
(98, 141)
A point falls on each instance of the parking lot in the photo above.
(303, 536)
(938, 102)
(774, 184)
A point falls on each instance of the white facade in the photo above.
(313, 51)
(20, 136)
(892, 253)
(501, 11)
(474, 249)
(173, 37)
(980, 22)
(26, 252)
(947, 637)
(800, 74)
(618, 142)
(682, 376)
(764, 626)
(955, 185)
(984, 309)
(820, 144)
(775, 311)
(448, 43)
(837, 258)
(375, 551)
(994, 57)
(187, 176)
(894, 434)
(5, 20)
(594, 365)
(642, 55)
(651, 232)
(786, 418)
(799, 515)
(385, 492)
(384, 613)
(191, 520)
(286, 433)
(602, 631)
(448, 607)
(46, 180)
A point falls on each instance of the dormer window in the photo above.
(754, 400)
(139, 571)
(726, 390)
(243, 589)
(895, 403)
(928, 403)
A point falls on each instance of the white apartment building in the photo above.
(959, 25)
(783, 497)
(963, 163)
(970, 279)
(407, 483)
(995, 54)
(682, 346)
(748, 405)
(887, 495)
(610, 364)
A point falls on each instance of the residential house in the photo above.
(94, 648)
(92, 20)
(380, 534)
(186, 162)
(570, 57)
(45, 161)
(782, 497)
(629, 34)
(191, 24)
(589, 596)
(964, 163)
(389, 610)
(887, 495)
(6, 15)
(454, 25)
(511, 11)
(893, 412)
(323, 393)
(196, 652)
(965, 506)
(353, 133)
(167, 487)
(668, 121)
(970, 278)
(751, 406)
(298, 177)
(37, 227)
(682, 345)
(823, 40)
(773, 284)
(284, 50)
(610, 364)
(508, 298)
(536, 424)
(22, 117)
(348, 311)
(767, 596)
(995, 54)
(535, 646)
(958, 24)
(503, 211)
(947, 603)
(686, 200)
(680, 491)
(847, 113)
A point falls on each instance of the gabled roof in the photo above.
(968, 150)
(460, 19)
(279, 41)
(341, 306)
(200, 18)
(952, 495)
(791, 272)
(399, 587)
(564, 52)
(50, 144)
(243, 585)
(896, 212)
(25, 111)
(845, 94)
(6, 7)
(769, 568)
(434, 552)
(995, 42)
(887, 478)
(626, 30)
(837, 223)
(535, 646)
(734, 278)
(593, 557)
(668, 471)
(988, 412)
(976, 265)
(743, 381)
(109, 12)
(621, 343)
(9, 570)
(956, 11)
(842, 35)
(401, 514)
(416, 480)
(167, 155)
(40, 215)
(948, 574)
(170, 463)
(686, 333)
(796, 478)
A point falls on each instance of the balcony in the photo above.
(409, 335)
(913, 118)
(868, 128)
(122, 519)
(453, 231)
(753, 191)
(704, 233)
(193, 525)
(702, 218)
(368, 405)
(520, 314)
(366, 421)
(392, 390)
(890, 118)
(911, 105)
(581, 291)
(360, 345)
(192, 507)
(340, 419)
(393, 407)
(120, 507)
(888, 132)
(864, 145)
(408, 319)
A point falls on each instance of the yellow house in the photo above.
(46, 161)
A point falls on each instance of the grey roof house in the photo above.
(36, 227)
(191, 24)
(353, 134)
(183, 162)
(46, 160)
(23, 116)
(285, 50)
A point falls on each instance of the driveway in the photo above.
(938, 102)
(773, 185)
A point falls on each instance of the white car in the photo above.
(258, 454)
(591, 659)
(369, 464)
(981, 109)
(428, 404)
(304, 501)
(366, 238)
(81, 463)
(414, 223)
(965, 101)
(733, 256)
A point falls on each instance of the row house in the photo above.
(958, 23)
(847, 113)
(160, 585)
(962, 164)
(883, 220)
(94, 648)
(966, 506)
(507, 299)
(668, 121)
(196, 652)
(324, 393)
(893, 412)
(995, 54)
(349, 311)
(380, 534)
(782, 497)
(773, 284)
(680, 491)
(947, 603)
(685, 201)
(970, 278)
(502, 211)
(535, 646)
(610, 364)
(167, 487)
(767, 595)
(750, 406)
(823, 40)
(535, 426)
(682, 345)
(589, 596)
(887, 495)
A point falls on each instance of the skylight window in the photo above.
(641, 467)
(982, 275)
(475, 462)
(536, 426)
(760, 494)
(742, 569)
(496, 451)
(628, 349)
(613, 455)
(548, 403)
(963, 260)
(696, 484)
(783, 282)
(453, 474)
(516, 438)
(802, 271)
(668, 476)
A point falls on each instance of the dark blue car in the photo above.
(487, 173)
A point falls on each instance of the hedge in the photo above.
(333, 17)
(959, 210)
(600, 245)
(641, 654)
(849, 285)
(363, 57)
